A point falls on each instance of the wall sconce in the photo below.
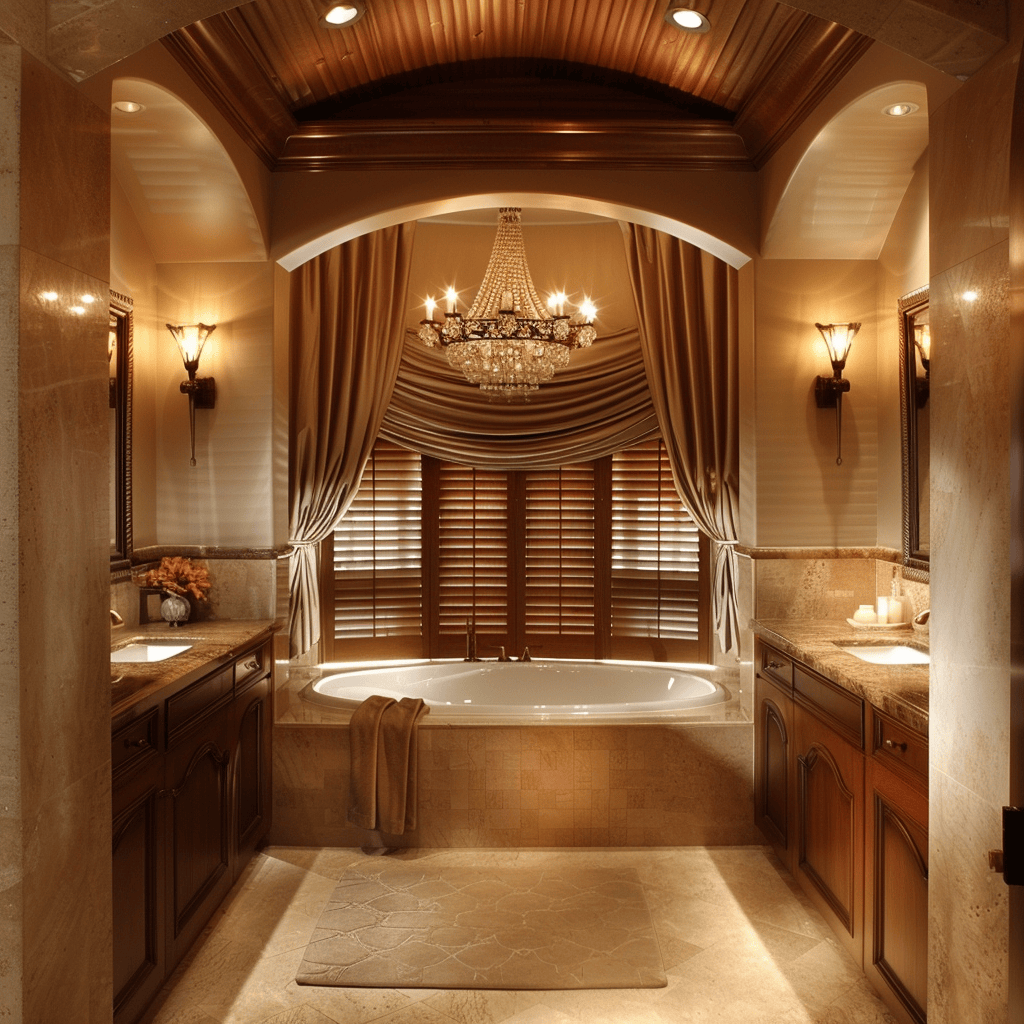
(201, 391)
(828, 391)
(923, 344)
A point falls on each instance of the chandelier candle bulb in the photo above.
(450, 298)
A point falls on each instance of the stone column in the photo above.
(55, 838)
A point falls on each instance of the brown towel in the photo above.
(396, 765)
(382, 787)
(363, 733)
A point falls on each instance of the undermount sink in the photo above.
(149, 650)
(887, 654)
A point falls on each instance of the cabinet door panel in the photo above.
(200, 831)
(252, 771)
(138, 921)
(830, 807)
(773, 797)
(898, 892)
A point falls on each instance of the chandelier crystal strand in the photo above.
(507, 341)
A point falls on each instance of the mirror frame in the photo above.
(916, 564)
(121, 314)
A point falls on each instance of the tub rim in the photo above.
(729, 696)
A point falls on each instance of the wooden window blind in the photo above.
(593, 559)
(560, 571)
(376, 555)
(472, 550)
(656, 550)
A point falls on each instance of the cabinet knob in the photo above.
(775, 664)
(136, 743)
(896, 745)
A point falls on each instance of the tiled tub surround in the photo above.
(901, 691)
(677, 782)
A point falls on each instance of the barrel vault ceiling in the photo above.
(549, 81)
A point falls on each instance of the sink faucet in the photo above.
(115, 619)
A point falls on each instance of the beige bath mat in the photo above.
(402, 926)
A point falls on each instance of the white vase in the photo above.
(175, 609)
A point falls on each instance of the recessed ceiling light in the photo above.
(343, 14)
(687, 19)
(128, 106)
(900, 109)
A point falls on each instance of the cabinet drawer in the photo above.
(196, 701)
(895, 744)
(252, 667)
(776, 666)
(135, 743)
(838, 707)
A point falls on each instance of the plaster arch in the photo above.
(725, 227)
(187, 194)
(842, 194)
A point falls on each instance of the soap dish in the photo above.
(878, 625)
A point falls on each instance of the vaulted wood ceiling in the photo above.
(600, 82)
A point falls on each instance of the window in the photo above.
(595, 559)
(374, 572)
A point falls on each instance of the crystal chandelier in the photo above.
(508, 341)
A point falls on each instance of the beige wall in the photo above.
(803, 497)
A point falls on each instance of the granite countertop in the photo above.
(213, 643)
(900, 691)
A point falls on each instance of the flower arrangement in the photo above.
(177, 576)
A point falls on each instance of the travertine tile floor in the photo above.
(740, 944)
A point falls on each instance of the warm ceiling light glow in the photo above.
(686, 19)
(77, 310)
(48, 296)
(128, 106)
(900, 109)
(344, 14)
(970, 296)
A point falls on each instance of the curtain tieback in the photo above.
(296, 544)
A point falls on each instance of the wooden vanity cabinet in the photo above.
(191, 803)
(840, 793)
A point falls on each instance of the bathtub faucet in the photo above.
(525, 655)
(471, 640)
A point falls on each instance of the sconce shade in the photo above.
(191, 338)
(838, 340)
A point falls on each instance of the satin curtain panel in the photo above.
(688, 313)
(347, 327)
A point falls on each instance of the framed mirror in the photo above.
(119, 356)
(915, 381)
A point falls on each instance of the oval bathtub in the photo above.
(540, 689)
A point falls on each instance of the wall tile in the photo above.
(803, 588)
(679, 785)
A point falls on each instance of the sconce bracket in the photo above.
(828, 389)
(203, 391)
